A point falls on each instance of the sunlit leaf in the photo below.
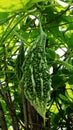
(12, 5)
(69, 91)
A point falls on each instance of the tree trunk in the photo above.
(11, 110)
(2, 119)
(34, 120)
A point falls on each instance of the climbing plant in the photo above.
(36, 65)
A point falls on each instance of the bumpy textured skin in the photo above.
(36, 75)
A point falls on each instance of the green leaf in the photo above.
(9, 6)
(67, 65)
(69, 91)
(19, 61)
(64, 98)
(3, 15)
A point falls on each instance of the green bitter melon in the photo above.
(36, 75)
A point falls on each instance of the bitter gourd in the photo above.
(36, 75)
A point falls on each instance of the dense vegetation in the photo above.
(36, 65)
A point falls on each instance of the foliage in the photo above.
(36, 61)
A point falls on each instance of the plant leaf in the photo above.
(12, 5)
